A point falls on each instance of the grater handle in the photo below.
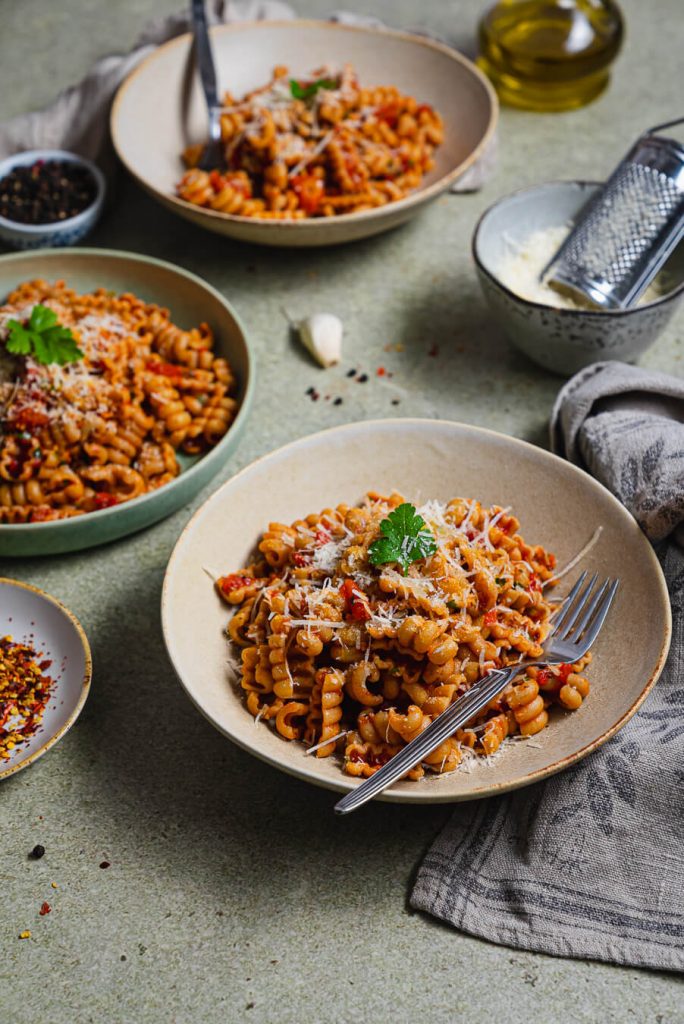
(662, 127)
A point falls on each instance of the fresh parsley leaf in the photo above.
(405, 538)
(306, 92)
(19, 339)
(500, 581)
(453, 606)
(43, 338)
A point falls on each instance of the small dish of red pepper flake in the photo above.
(50, 197)
(45, 671)
(24, 692)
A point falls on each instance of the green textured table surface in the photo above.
(233, 893)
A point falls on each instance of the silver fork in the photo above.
(576, 625)
(212, 156)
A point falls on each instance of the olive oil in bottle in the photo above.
(549, 54)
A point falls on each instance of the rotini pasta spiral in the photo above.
(319, 147)
(359, 659)
(106, 428)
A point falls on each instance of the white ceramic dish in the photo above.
(190, 301)
(28, 614)
(558, 505)
(62, 232)
(563, 340)
(160, 109)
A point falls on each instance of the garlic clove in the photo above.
(321, 334)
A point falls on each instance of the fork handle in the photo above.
(205, 59)
(445, 725)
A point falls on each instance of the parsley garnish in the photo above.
(406, 538)
(306, 92)
(43, 338)
(500, 581)
(453, 606)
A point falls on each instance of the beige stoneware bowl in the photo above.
(160, 109)
(558, 505)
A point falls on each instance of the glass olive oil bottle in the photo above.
(550, 54)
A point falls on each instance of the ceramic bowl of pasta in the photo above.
(329, 133)
(125, 383)
(45, 672)
(329, 601)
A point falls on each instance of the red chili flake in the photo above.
(164, 369)
(301, 559)
(389, 113)
(322, 536)
(543, 677)
(27, 419)
(45, 909)
(381, 371)
(490, 617)
(310, 191)
(103, 500)
(356, 756)
(227, 584)
(356, 601)
(535, 584)
(564, 672)
(551, 560)
(434, 351)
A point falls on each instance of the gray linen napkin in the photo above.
(78, 119)
(591, 862)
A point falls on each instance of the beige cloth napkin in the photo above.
(591, 862)
(78, 119)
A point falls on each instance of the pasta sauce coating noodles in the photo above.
(352, 657)
(106, 428)
(319, 147)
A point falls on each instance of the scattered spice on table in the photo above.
(351, 373)
(54, 885)
(105, 864)
(395, 401)
(434, 351)
(362, 378)
(45, 909)
(338, 401)
(24, 693)
(46, 192)
(37, 852)
(25, 935)
(381, 371)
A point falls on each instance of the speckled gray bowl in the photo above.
(563, 340)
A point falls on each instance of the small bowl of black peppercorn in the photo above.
(48, 197)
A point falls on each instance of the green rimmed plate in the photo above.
(190, 301)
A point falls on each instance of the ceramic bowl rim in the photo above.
(85, 682)
(310, 224)
(345, 784)
(239, 421)
(603, 316)
(54, 227)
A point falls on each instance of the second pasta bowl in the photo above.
(99, 448)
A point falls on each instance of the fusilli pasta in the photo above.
(320, 147)
(359, 658)
(104, 429)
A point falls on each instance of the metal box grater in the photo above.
(627, 231)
